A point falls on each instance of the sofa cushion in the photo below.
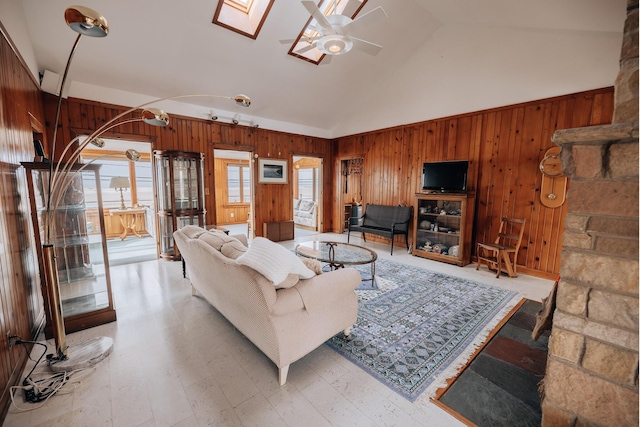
(304, 214)
(273, 261)
(233, 249)
(216, 239)
(306, 205)
(290, 281)
(193, 231)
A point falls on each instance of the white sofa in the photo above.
(285, 320)
(305, 212)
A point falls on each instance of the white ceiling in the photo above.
(440, 57)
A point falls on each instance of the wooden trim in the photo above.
(493, 332)
(84, 321)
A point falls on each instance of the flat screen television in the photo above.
(446, 177)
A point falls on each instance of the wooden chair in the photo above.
(506, 244)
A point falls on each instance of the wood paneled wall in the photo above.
(272, 202)
(21, 307)
(504, 147)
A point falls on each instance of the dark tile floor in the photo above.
(500, 386)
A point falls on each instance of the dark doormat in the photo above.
(499, 387)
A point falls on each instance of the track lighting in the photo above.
(236, 119)
(213, 116)
(254, 124)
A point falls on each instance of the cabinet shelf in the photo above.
(80, 247)
(179, 196)
(443, 236)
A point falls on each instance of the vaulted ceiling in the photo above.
(439, 58)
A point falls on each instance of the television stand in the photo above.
(443, 227)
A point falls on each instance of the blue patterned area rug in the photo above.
(419, 328)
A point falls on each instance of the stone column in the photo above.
(592, 369)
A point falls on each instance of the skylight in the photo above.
(242, 16)
(348, 8)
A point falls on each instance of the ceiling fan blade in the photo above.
(306, 48)
(365, 46)
(302, 39)
(319, 17)
(376, 15)
(351, 7)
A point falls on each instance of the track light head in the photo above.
(236, 119)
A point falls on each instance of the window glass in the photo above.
(144, 183)
(306, 184)
(233, 183)
(246, 184)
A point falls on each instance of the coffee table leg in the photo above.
(373, 275)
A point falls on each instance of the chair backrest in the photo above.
(384, 216)
(510, 232)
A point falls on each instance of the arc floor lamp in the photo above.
(62, 170)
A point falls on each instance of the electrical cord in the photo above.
(41, 390)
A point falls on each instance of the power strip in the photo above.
(29, 392)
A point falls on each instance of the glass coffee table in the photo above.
(338, 255)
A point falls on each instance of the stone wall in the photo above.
(592, 369)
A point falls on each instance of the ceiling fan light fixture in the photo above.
(334, 44)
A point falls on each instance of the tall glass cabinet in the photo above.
(179, 196)
(80, 247)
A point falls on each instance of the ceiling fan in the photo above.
(335, 31)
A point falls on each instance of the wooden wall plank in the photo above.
(504, 146)
(21, 306)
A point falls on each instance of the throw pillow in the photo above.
(312, 264)
(233, 249)
(273, 261)
(306, 205)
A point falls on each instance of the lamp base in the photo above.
(84, 355)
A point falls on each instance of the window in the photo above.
(117, 165)
(242, 16)
(237, 174)
(307, 183)
(242, 5)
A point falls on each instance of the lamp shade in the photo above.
(119, 182)
(155, 117)
(86, 21)
(242, 100)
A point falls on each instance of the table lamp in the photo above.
(120, 183)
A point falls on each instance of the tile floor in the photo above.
(177, 362)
